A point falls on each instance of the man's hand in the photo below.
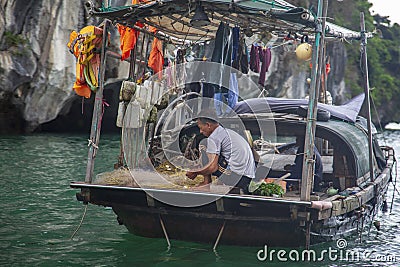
(191, 175)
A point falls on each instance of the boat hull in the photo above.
(207, 230)
(234, 220)
(245, 221)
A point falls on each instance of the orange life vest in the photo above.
(83, 45)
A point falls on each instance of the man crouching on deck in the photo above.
(229, 155)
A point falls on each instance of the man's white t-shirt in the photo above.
(234, 148)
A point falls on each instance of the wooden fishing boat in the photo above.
(353, 162)
(255, 220)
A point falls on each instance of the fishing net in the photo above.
(177, 177)
(119, 177)
(170, 177)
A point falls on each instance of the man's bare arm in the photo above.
(211, 167)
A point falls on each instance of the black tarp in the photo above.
(347, 112)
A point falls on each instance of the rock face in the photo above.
(338, 58)
(37, 71)
(287, 76)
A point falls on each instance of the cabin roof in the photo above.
(354, 137)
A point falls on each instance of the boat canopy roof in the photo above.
(355, 139)
(172, 18)
(348, 111)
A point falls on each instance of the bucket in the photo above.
(134, 115)
(121, 114)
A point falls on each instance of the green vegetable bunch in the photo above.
(269, 189)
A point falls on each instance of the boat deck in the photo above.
(177, 182)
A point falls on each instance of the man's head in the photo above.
(207, 122)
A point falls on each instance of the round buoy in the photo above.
(304, 51)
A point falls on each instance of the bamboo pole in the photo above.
(366, 91)
(97, 110)
(219, 237)
(165, 232)
(308, 162)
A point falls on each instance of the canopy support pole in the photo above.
(308, 162)
(364, 62)
(98, 109)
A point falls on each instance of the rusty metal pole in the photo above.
(97, 109)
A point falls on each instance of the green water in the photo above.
(39, 213)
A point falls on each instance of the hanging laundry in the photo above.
(235, 43)
(244, 59)
(255, 58)
(221, 47)
(180, 56)
(265, 56)
(180, 67)
(170, 74)
(128, 38)
(233, 93)
(241, 61)
(221, 54)
(156, 58)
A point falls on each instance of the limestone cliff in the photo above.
(36, 68)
